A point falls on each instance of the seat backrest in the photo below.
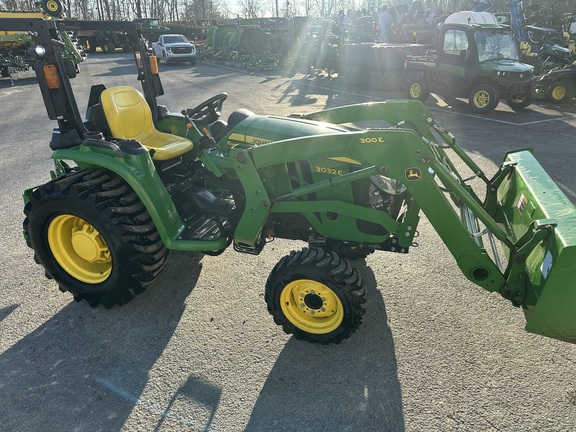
(129, 117)
(127, 113)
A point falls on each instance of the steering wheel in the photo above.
(208, 111)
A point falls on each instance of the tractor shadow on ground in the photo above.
(6, 311)
(89, 366)
(350, 386)
(201, 393)
(298, 94)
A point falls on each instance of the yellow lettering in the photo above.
(325, 170)
(371, 140)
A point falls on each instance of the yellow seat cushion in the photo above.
(129, 117)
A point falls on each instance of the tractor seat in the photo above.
(129, 117)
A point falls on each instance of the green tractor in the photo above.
(133, 181)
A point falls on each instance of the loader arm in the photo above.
(397, 153)
(523, 209)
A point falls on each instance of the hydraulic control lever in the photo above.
(206, 140)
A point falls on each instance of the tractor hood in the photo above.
(258, 130)
(506, 66)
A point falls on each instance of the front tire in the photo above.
(93, 235)
(316, 295)
(484, 98)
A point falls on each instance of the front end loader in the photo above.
(133, 181)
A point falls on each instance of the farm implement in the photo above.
(16, 54)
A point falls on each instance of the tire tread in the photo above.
(111, 199)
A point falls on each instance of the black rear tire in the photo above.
(94, 237)
(316, 295)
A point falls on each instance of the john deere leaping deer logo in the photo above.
(413, 174)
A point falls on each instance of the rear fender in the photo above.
(139, 172)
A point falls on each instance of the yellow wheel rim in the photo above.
(79, 249)
(558, 92)
(52, 6)
(481, 99)
(311, 306)
(415, 91)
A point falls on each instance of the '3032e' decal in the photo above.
(325, 170)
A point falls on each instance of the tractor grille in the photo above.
(515, 76)
(182, 50)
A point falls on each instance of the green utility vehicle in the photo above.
(133, 181)
(473, 60)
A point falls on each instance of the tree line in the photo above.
(187, 10)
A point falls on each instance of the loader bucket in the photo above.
(528, 199)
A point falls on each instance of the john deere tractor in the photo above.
(133, 181)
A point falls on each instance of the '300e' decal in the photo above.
(371, 140)
(325, 170)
